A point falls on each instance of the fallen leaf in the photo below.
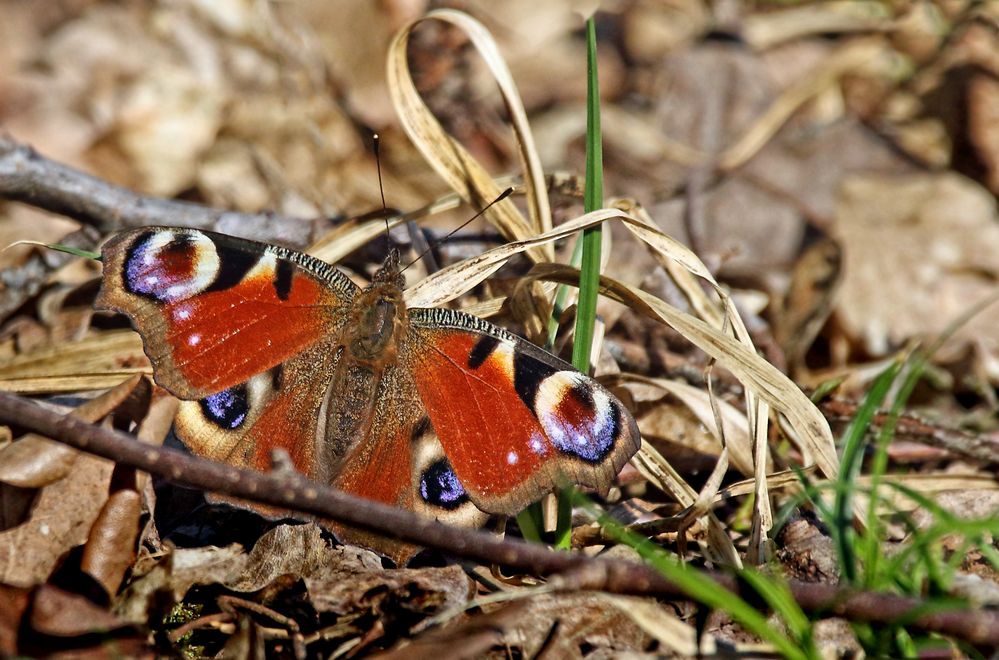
(110, 548)
(919, 251)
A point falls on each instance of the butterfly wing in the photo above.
(249, 335)
(214, 310)
(513, 419)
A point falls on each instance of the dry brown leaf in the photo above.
(64, 614)
(13, 603)
(177, 572)
(299, 550)
(34, 461)
(110, 548)
(469, 638)
(60, 519)
(919, 251)
(983, 125)
(584, 621)
(65, 510)
(419, 590)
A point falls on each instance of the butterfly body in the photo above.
(430, 409)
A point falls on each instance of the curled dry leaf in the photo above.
(389, 592)
(299, 550)
(65, 509)
(34, 462)
(110, 548)
(583, 620)
(174, 574)
(452, 162)
(465, 638)
(77, 627)
(60, 613)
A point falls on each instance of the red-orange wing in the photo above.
(214, 310)
(513, 420)
(398, 462)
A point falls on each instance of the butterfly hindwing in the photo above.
(278, 409)
(214, 310)
(399, 461)
(513, 420)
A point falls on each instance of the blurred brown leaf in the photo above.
(919, 251)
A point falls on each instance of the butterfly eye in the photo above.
(439, 486)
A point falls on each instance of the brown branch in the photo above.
(28, 177)
(977, 447)
(624, 577)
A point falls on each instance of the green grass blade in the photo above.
(777, 595)
(593, 199)
(703, 589)
(77, 252)
(532, 523)
(854, 442)
(589, 274)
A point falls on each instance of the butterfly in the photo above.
(429, 409)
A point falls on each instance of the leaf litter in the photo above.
(839, 163)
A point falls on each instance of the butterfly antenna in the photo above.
(499, 198)
(376, 142)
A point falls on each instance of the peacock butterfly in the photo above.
(429, 409)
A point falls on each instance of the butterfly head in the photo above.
(389, 272)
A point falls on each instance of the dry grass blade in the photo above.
(654, 467)
(341, 241)
(849, 59)
(767, 30)
(734, 421)
(451, 161)
(684, 267)
(449, 283)
(95, 362)
(670, 632)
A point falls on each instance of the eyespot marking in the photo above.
(580, 420)
(169, 266)
(439, 486)
(228, 408)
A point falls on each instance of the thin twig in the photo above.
(616, 576)
(979, 447)
(26, 176)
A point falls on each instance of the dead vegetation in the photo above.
(804, 196)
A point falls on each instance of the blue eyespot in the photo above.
(227, 408)
(439, 486)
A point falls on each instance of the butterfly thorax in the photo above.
(377, 322)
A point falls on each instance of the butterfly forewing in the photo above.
(214, 310)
